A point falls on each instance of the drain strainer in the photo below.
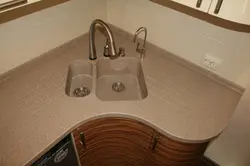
(81, 92)
(118, 87)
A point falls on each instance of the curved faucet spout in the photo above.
(141, 48)
(108, 35)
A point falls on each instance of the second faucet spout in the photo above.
(141, 48)
(109, 35)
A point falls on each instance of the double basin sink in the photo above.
(121, 79)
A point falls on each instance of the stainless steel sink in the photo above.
(79, 79)
(121, 79)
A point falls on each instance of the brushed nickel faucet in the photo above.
(141, 48)
(110, 44)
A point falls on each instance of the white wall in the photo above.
(191, 39)
(28, 37)
(185, 36)
(232, 148)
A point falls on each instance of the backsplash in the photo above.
(28, 37)
(185, 36)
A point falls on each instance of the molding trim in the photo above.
(204, 16)
(28, 9)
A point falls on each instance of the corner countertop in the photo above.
(185, 102)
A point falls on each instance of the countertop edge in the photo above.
(115, 115)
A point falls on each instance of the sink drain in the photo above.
(118, 87)
(81, 92)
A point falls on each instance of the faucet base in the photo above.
(106, 55)
(92, 58)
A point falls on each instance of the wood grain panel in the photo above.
(172, 153)
(114, 142)
(126, 142)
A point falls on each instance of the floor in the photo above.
(204, 161)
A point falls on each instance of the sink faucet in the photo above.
(110, 40)
(141, 48)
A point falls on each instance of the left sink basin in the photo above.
(79, 79)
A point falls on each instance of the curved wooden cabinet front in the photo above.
(126, 142)
(173, 153)
(113, 141)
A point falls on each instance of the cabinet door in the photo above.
(202, 5)
(113, 142)
(168, 152)
(233, 10)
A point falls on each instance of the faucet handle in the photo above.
(121, 52)
(106, 49)
(140, 48)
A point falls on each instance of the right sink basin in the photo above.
(120, 80)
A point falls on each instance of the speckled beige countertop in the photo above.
(184, 101)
